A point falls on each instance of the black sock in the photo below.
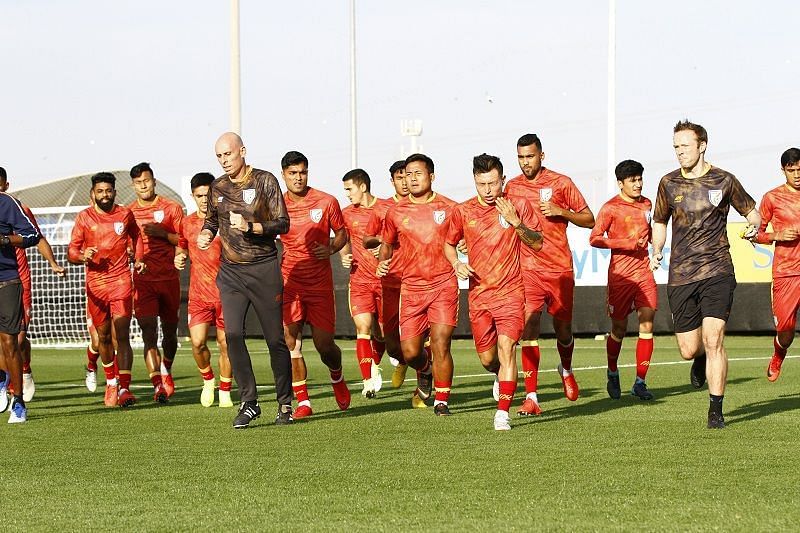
(715, 403)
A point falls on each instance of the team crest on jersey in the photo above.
(219, 200)
(119, 227)
(545, 194)
(248, 195)
(715, 197)
(438, 216)
(503, 222)
(315, 215)
(158, 216)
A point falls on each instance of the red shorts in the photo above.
(418, 310)
(158, 298)
(487, 324)
(554, 289)
(785, 302)
(365, 298)
(391, 309)
(102, 303)
(317, 308)
(27, 303)
(622, 298)
(205, 312)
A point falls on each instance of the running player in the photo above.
(205, 306)
(100, 241)
(781, 207)
(697, 197)
(493, 228)
(308, 278)
(623, 226)
(429, 290)
(157, 291)
(547, 275)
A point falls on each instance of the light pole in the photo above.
(236, 92)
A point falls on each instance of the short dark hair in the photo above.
(790, 157)
(484, 163)
(201, 179)
(358, 176)
(140, 169)
(529, 139)
(3, 175)
(421, 157)
(700, 131)
(293, 158)
(104, 177)
(397, 165)
(628, 169)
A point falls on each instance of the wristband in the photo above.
(250, 228)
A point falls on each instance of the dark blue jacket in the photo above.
(14, 220)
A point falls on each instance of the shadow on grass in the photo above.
(764, 408)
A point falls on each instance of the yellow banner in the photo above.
(752, 263)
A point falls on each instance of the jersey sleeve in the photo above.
(456, 230)
(335, 217)
(766, 211)
(663, 209)
(183, 242)
(389, 233)
(133, 234)
(211, 222)
(527, 214)
(598, 238)
(76, 242)
(575, 200)
(373, 228)
(740, 199)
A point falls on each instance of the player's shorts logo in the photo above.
(545, 194)
(315, 215)
(503, 222)
(715, 197)
(119, 228)
(438, 216)
(248, 195)
(158, 216)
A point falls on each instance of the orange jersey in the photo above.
(356, 219)
(555, 255)
(109, 233)
(157, 254)
(375, 228)
(421, 229)
(22, 257)
(780, 206)
(311, 220)
(494, 249)
(625, 224)
(205, 263)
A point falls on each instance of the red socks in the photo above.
(566, 354)
(92, 357)
(507, 389)
(613, 347)
(442, 389)
(644, 352)
(125, 379)
(780, 351)
(530, 365)
(364, 356)
(378, 348)
(155, 379)
(300, 391)
(207, 373)
(336, 375)
(224, 384)
(109, 371)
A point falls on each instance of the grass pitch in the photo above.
(596, 464)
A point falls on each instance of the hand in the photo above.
(89, 253)
(655, 261)
(58, 270)
(238, 222)
(375, 251)
(204, 239)
(462, 247)
(139, 267)
(321, 251)
(507, 210)
(784, 235)
(643, 242)
(550, 209)
(180, 261)
(383, 268)
(749, 232)
(153, 229)
(463, 270)
(347, 260)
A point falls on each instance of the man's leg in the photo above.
(441, 336)
(644, 352)
(198, 334)
(152, 357)
(531, 356)
(507, 378)
(292, 334)
(225, 371)
(619, 326)
(363, 324)
(331, 356)
(120, 328)
(785, 303)
(169, 343)
(565, 343)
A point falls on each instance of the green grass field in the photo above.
(596, 464)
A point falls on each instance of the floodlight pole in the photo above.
(353, 118)
(611, 184)
(236, 90)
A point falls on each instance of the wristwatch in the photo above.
(4, 240)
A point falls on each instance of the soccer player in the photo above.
(157, 290)
(547, 274)
(100, 241)
(365, 289)
(493, 228)
(697, 197)
(429, 290)
(781, 207)
(308, 278)
(247, 209)
(205, 306)
(623, 226)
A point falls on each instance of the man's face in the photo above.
(631, 187)
(145, 186)
(3, 185)
(792, 173)
(296, 178)
(355, 193)
(200, 197)
(399, 183)
(687, 148)
(104, 195)
(230, 156)
(530, 160)
(418, 178)
(489, 185)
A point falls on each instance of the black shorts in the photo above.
(691, 303)
(11, 313)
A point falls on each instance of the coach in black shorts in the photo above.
(246, 207)
(697, 197)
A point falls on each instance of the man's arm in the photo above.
(24, 232)
(278, 216)
(47, 252)
(340, 238)
(529, 237)
(659, 240)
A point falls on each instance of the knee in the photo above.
(234, 336)
(199, 347)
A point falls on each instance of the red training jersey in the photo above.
(356, 219)
(375, 229)
(494, 250)
(421, 229)
(780, 206)
(311, 220)
(626, 223)
(555, 255)
(109, 233)
(157, 254)
(205, 263)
